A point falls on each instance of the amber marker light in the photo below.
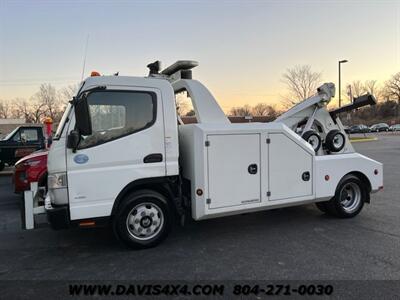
(87, 223)
(94, 74)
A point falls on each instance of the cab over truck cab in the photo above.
(123, 156)
(20, 142)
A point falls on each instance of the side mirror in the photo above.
(82, 117)
(73, 140)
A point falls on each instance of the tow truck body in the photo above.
(121, 154)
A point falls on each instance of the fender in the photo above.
(169, 186)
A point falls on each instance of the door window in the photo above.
(16, 137)
(29, 135)
(115, 114)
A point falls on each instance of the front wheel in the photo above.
(143, 220)
(349, 198)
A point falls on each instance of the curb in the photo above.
(361, 140)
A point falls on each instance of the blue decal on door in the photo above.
(81, 159)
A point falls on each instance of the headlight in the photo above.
(57, 181)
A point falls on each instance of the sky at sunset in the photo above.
(243, 47)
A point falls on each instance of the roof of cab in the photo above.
(126, 81)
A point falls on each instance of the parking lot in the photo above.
(292, 243)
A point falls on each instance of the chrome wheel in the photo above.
(313, 139)
(314, 142)
(335, 140)
(145, 221)
(338, 141)
(350, 197)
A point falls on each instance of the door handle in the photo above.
(252, 169)
(153, 158)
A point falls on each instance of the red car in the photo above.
(31, 168)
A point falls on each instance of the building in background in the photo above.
(8, 125)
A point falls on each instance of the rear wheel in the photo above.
(2, 166)
(349, 198)
(143, 220)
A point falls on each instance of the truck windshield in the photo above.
(8, 136)
(62, 122)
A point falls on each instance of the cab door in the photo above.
(126, 144)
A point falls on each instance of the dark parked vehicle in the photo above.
(20, 142)
(359, 129)
(395, 127)
(379, 127)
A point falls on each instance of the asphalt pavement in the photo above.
(291, 243)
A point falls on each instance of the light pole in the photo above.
(340, 91)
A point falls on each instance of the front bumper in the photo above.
(57, 216)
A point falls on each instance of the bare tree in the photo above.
(5, 109)
(392, 90)
(241, 111)
(392, 87)
(67, 93)
(182, 106)
(262, 109)
(357, 88)
(371, 86)
(46, 98)
(38, 111)
(183, 103)
(301, 83)
(191, 113)
(22, 110)
(32, 111)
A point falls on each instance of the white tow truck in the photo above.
(122, 155)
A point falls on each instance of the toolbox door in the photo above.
(290, 168)
(233, 167)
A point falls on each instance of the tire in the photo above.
(350, 195)
(2, 166)
(143, 220)
(321, 206)
(313, 139)
(335, 140)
